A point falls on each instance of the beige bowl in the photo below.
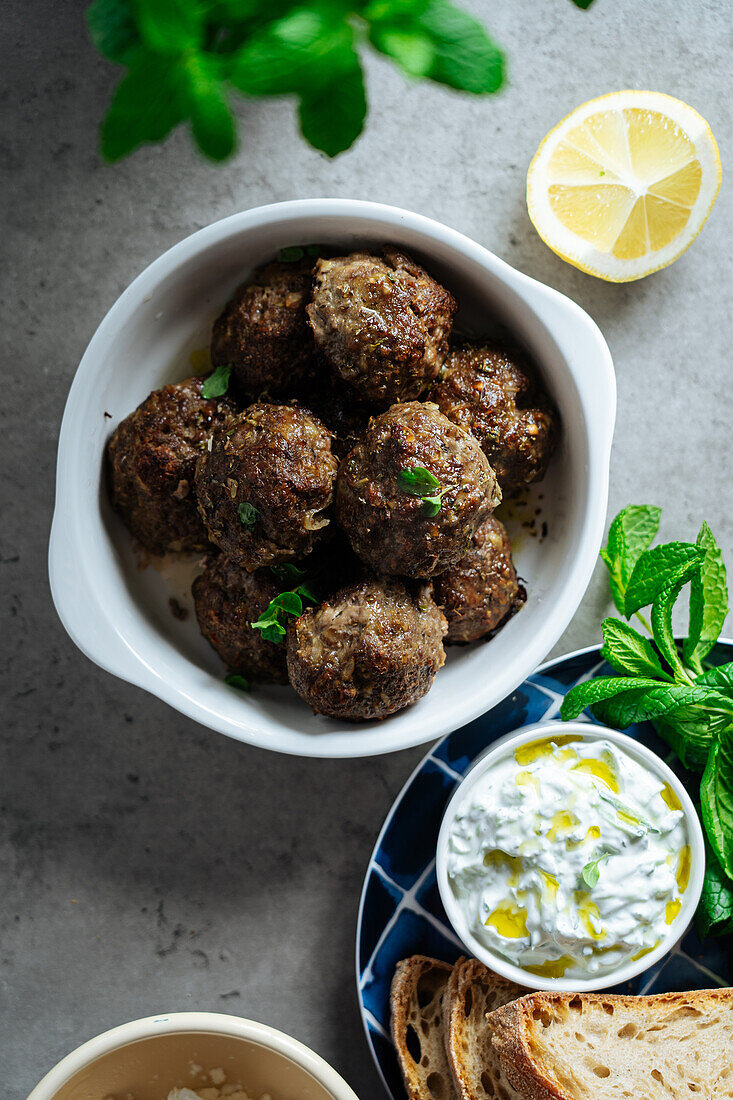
(146, 1058)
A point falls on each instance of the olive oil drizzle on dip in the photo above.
(569, 858)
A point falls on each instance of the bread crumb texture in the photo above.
(605, 1047)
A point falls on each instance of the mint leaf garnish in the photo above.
(273, 621)
(417, 481)
(248, 514)
(431, 506)
(291, 254)
(591, 873)
(287, 572)
(217, 384)
(236, 681)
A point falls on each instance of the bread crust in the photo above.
(421, 1010)
(471, 987)
(515, 1026)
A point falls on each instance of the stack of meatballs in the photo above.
(355, 442)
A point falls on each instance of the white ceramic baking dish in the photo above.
(119, 614)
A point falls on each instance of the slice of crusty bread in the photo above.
(473, 991)
(592, 1046)
(417, 1027)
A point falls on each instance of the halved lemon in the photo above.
(624, 184)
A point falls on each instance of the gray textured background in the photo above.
(148, 864)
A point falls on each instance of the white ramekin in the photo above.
(649, 760)
(119, 616)
(306, 1074)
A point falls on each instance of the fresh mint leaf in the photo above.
(212, 121)
(147, 104)
(417, 481)
(629, 652)
(287, 572)
(595, 691)
(466, 58)
(708, 600)
(412, 50)
(714, 914)
(291, 254)
(217, 384)
(305, 593)
(591, 872)
(271, 631)
(584, 4)
(663, 699)
(113, 29)
(662, 620)
(690, 732)
(248, 514)
(657, 569)
(630, 533)
(437, 40)
(170, 26)
(289, 602)
(291, 54)
(236, 681)
(431, 506)
(716, 799)
(332, 112)
(719, 676)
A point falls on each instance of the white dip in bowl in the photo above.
(572, 856)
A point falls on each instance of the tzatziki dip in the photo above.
(569, 858)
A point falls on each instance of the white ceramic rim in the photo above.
(648, 759)
(216, 1023)
(99, 637)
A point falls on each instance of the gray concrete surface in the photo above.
(148, 864)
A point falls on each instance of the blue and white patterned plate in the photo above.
(400, 912)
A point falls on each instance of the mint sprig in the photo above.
(419, 482)
(691, 706)
(248, 515)
(186, 60)
(273, 622)
(591, 872)
(217, 384)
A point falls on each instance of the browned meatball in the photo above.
(500, 402)
(482, 590)
(368, 651)
(151, 460)
(392, 530)
(228, 599)
(265, 487)
(263, 334)
(382, 322)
